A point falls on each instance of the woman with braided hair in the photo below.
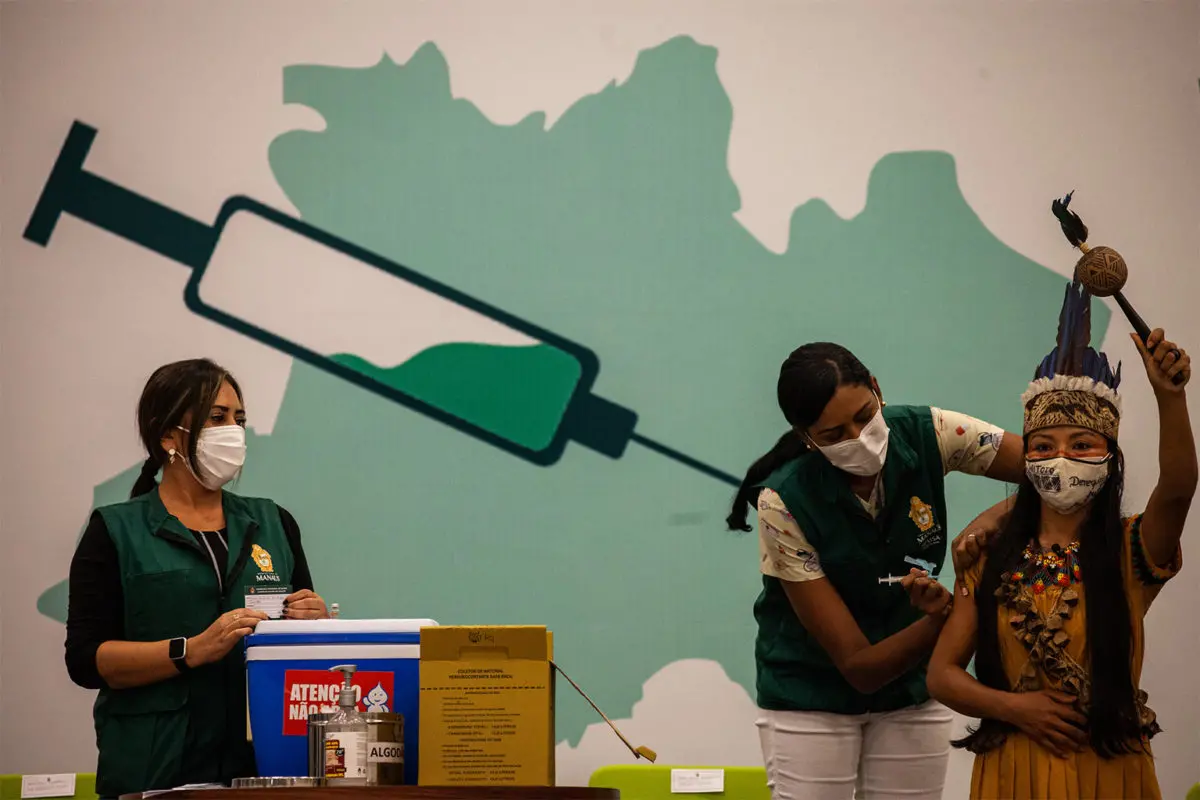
(852, 528)
(158, 589)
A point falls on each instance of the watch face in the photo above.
(178, 649)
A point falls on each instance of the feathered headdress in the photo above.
(1074, 385)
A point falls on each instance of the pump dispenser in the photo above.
(346, 736)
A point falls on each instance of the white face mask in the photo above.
(220, 454)
(1068, 484)
(863, 456)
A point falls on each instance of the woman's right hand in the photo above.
(925, 593)
(1162, 365)
(1050, 719)
(220, 637)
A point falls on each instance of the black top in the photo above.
(97, 603)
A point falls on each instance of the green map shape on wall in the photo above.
(613, 228)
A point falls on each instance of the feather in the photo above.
(1072, 354)
(1073, 365)
(1072, 226)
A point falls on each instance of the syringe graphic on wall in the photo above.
(341, 308)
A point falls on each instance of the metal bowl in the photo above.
(274, 783)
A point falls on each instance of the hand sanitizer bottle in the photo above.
(346, 737)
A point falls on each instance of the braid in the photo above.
(145, 482)
(789, 447)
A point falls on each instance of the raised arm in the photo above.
(1167, 509)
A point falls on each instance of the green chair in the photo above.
(85, 787)
(637, 782)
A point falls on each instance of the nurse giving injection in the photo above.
(165, 585)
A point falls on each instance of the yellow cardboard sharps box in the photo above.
(487, 706)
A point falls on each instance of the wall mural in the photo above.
(449, 293)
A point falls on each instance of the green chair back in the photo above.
(644, 782)
(85, 787)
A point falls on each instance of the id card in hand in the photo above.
(268, 599)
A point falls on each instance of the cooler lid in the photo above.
(337, 631)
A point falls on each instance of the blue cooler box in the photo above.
(287, 678)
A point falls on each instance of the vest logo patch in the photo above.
(929, 538)
(262, 558)
(921, 514)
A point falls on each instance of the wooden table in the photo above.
(395, 793)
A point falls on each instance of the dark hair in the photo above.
(174, 393)
(1113, 722)
(807, 381)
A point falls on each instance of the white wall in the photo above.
(1031, 99)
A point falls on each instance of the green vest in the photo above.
(192, 728)
(794, 671)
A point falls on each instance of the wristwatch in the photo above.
(177, 650)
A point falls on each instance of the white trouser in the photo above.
(812, 755)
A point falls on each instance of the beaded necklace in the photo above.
(1058, 566)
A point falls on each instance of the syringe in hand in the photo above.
(898, 578)
(527, 391)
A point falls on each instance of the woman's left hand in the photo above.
(304, 604)
(969, 545)
(1161, 363)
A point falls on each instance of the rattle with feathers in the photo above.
(1101, 270)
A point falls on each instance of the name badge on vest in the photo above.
(268, 599)
(268, 592)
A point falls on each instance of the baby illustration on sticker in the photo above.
(377, 699)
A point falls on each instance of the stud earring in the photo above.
(171, 453)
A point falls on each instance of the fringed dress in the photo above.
(1042, 610)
